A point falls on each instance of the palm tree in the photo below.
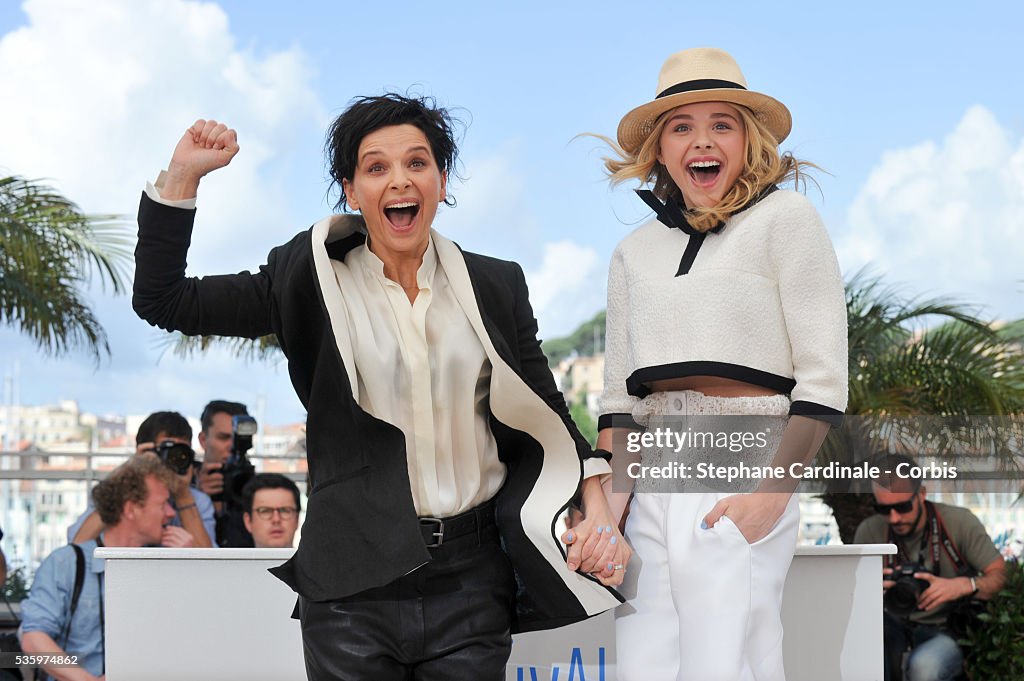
(899, 367)
(49, 250)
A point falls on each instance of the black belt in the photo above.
(437, 531)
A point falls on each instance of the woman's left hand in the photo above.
(595, 544)
(754, 514)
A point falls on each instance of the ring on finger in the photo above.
(620, 567)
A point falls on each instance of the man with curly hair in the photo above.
(193, 525)
(134, 504)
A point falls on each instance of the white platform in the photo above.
(218, 614)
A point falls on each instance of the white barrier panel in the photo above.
(217, 613)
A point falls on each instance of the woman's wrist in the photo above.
(593, 492)
(774, 497)
(179, 183)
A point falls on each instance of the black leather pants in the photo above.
(446, 621)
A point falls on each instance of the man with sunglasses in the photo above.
(272, 506)
(959, 562)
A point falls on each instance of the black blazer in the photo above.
(361, 529)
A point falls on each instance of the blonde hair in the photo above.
(763, 166)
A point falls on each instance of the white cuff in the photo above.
(596, 466)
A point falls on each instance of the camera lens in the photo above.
(176, 456)
(901, 598)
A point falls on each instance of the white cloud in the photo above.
(105, 88)
(99, 94)
(947, 218)
(561, 290)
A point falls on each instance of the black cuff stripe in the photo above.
(636, 383)
(818, 412)
(617, 421)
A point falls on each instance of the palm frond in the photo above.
(257, 349)
(49, 252)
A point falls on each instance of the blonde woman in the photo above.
(730, 302)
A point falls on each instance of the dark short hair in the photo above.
(170, 423)
(367, 114)
(891, 480)
(220, 407)
(268, 481)
(127, 482)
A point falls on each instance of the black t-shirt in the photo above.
(231, 532)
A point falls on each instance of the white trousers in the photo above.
(703, 604)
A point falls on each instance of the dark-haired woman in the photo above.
(442, 457)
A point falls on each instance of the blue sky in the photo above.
(912, 108)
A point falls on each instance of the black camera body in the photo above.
(901, 598)
(177, 456)
(237, 469)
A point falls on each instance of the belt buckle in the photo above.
(439, 534)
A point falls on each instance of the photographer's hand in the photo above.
(206, 146)
(183, 489)
(941, 590)
(211, 479)
(887, 583)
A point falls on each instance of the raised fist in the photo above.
(205, 147)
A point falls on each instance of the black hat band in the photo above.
(702, 84)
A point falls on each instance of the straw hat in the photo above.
(701, 74)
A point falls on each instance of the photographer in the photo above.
(168, 435)
(217, 438)
(944, 559)
(64, 615)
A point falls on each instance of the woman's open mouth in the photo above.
(401, 215)
(704, 173)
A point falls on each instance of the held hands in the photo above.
(205, 147)
(594, 542)
(753, 514)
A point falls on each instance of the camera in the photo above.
(237, 469)
(177, 456)
(901, 598)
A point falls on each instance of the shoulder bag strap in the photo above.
(75, 593)
(949, 545)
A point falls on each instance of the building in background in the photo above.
(54, 454)
(581, 380)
